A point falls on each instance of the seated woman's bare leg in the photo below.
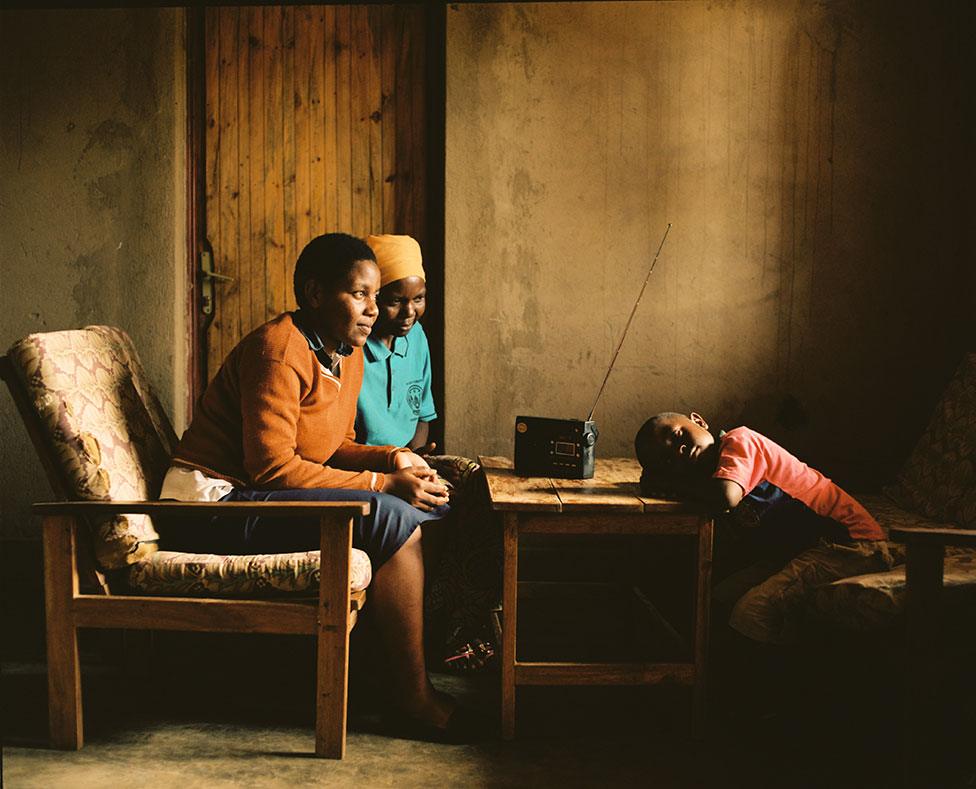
(391, 535)
(396, 598)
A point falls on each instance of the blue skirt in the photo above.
(380, 534)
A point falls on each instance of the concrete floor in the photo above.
(195, 729)
(204, 710)
(579, 738)
(191, 755)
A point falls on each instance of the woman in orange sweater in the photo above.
(277, 424)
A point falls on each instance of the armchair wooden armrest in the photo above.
(929, 537)
(338, 509)
(924, 566)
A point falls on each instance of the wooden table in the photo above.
(610, 503)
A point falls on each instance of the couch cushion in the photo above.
(939, 478)
(107, 431)
(876, 600)
(210, 575)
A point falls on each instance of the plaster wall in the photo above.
(92, 200)
(815, 162)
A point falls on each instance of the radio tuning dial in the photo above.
(589, 439)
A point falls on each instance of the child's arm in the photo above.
(722, 495)
(719, 495)
(419, 436)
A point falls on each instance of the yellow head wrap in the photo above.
(398, 257)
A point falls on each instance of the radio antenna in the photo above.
(627, 327)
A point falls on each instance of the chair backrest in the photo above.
(939, 478)
(97, 425)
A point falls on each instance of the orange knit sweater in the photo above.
(273, 417)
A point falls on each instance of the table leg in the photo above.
(703, 604)
(509, 614)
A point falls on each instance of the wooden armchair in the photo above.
(105, 444)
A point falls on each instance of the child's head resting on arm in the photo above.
(676, 452)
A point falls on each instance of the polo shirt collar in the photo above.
(377, 351)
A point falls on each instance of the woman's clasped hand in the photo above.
(417, 485)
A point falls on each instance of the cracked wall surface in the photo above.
(816, 163)
(91, 200)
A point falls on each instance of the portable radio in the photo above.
(561, 448)
(566, 448)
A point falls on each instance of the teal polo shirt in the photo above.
(396, 390)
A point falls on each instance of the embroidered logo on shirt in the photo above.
(414, 394)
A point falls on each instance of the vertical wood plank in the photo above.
(509, 619)
(243, 272)
(703, 604)
(63, 667)
(330, 163)
(303, 125)
(375, 117)
(288, 145)
(213, 127)
(388, 63)
(316, 110)
(332, 659)
(276, 274)
(227, 255)
(255, 260)
(418, 126)
(343, 118)
(359, 110)
(403, 108)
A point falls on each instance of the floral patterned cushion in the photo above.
(108, 432)
(939, 477)
(209, 575)
(874, 601)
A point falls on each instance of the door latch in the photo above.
(208, 275)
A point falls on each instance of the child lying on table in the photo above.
(744, 470)
(396, 404)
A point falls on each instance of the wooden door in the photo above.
(315, 122)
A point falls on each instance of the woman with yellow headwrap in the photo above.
(396, 407)
(395, 403)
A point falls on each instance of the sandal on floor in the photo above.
(465, 655)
